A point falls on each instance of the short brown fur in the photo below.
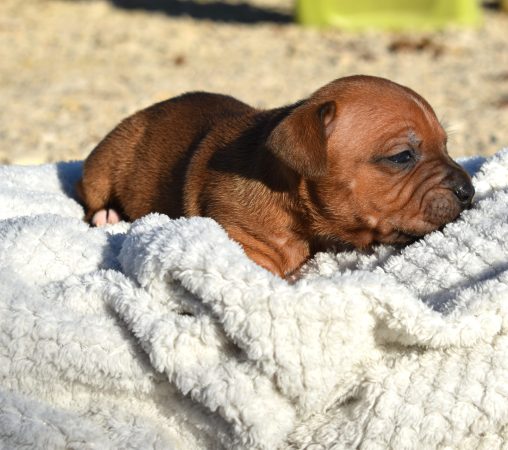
(283, 181)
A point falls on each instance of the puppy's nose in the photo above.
(464, 191)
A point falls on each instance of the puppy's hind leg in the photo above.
(95, 192)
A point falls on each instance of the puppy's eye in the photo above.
(401, 158)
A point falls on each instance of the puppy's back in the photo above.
(140, 166)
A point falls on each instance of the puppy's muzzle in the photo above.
(446, 205)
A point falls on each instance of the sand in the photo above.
(71, 70)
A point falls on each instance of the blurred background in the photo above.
(71, 70)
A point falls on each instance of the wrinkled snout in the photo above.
(453, 195)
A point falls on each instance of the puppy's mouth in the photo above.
(405, 236)
(400, 235)
(437, 213)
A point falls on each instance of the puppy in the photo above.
(363, 160)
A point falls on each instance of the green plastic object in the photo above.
(388, 14)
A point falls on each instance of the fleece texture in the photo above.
(162, 334)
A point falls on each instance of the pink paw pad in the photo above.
(104, 217)
(113, 216)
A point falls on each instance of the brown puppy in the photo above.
(362, 160)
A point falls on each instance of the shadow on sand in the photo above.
(214, 10)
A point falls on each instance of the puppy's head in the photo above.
(373, 161)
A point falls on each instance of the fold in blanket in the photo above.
(163, 334)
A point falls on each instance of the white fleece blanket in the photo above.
(162, 334)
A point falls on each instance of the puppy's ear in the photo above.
(299, 140)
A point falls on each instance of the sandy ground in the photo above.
(70, 70)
